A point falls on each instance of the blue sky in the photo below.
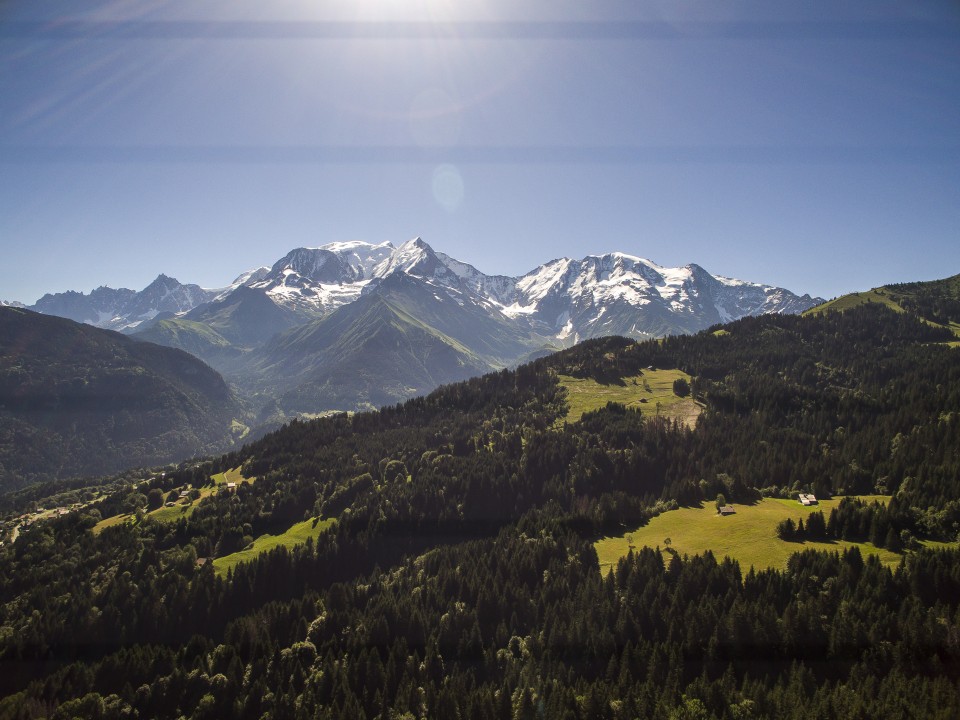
(811, 145)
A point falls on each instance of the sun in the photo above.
(433, 11)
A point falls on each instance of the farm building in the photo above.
(727, 510)
(807, 500)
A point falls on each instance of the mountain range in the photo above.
(355, 325)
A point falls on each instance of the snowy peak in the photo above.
(498, 288)
(316, 264)
(618, 293)
(568, 300)
(333, 263)
(250, 277)
(361, 257)
(314, 281)
(163, 295)
(415, 258)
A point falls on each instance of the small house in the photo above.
(808, 499)
(231, 486)
(727, 510)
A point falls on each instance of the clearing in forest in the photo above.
(748, 536)
(651, 393)
(296, 535)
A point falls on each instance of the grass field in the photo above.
(296, 535)
(180, 509)
(749, 536)
(110, 522)
(651, 393)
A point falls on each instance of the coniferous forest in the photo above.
(460, 580)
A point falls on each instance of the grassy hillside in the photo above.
(650, 392)
(295, 535)
(936, 301)
(194, 337)
(749, 536)
(852, 300)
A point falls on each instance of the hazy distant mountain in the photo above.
(275, 330)
(220, 330)
(78, 400)
(125, 309)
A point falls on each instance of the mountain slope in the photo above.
(219, 330)
(936, 301)
(78, 400)
(367, 354)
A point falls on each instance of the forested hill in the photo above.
(936, 301)
(459, 579)
(77, 400)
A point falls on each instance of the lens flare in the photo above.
(448, 188)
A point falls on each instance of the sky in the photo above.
(814, 146)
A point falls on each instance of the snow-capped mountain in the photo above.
(564, 299)
(620, 294)
(315, 281)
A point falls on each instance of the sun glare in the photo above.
(409, 10)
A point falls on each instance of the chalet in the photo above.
(170, 504)
(183, 494)
(808, 500)
(727, 510)
(231, 486)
